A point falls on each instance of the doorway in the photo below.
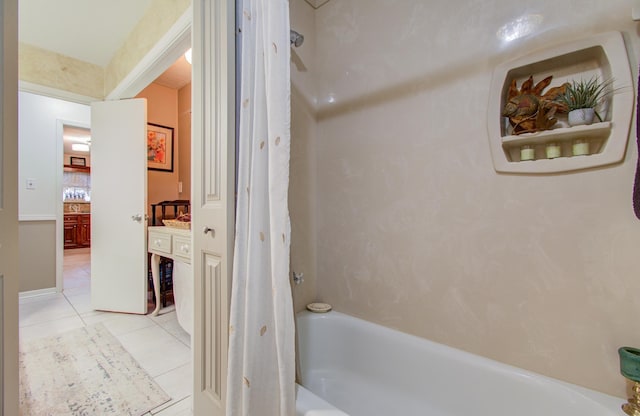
(76, 225)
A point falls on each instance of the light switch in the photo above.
(31, 184)
(179, 187)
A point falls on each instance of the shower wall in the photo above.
(399, 213)
(302, 181)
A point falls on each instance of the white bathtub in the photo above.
(365, 369)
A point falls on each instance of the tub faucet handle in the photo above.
(298, 278)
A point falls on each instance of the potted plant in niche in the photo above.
(583, 97)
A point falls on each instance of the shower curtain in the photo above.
(261, 375)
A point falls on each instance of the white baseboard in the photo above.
(38, 292)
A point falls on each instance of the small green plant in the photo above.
(586, 94)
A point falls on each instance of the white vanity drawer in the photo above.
(159, 242)
(182, 247)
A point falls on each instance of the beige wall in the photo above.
(39, 66)
(37, 255)
(414, 228)
(52, 70)
(302, 180)
(184, 125)
(303, 201)
(160, 16)
(162, 109)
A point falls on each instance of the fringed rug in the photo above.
(84, 372)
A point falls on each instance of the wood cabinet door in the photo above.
(84, 231)
(70, 230)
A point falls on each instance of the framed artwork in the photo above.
(159, 147)
(78, 161)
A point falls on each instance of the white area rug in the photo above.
(84, 372)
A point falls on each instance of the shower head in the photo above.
(296, 38)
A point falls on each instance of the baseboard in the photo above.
(38, 292)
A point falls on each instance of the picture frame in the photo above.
(159, 147)
(78, 161)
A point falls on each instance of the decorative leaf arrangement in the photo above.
(529, 110)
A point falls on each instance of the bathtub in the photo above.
(349, 366)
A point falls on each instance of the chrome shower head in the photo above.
(296, 38)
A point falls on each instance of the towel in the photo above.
(636, 184)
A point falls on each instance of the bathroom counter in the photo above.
(77, 207)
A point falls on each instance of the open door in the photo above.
(213, 189)
(9, 207)
(118, 206)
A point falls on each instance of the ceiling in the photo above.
(89, 30)
(73, 135)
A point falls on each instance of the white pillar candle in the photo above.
(553, 150)
(580, 147)
(527, 153)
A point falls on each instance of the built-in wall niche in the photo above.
(603, 56)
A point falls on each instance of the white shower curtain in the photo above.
(261, 376)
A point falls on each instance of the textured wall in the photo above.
(415, 230)
(302, 180)
(50, 69)
(184, 141)
(160, 16)
(162, 109)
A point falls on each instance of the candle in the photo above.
(527, 153)
(580, 147)
(553, 150)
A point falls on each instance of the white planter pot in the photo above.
(581, 116)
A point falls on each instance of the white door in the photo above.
(118, 206)
(9, 207)
(212, 198)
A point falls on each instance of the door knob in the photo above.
(136, 218)
(211, 230)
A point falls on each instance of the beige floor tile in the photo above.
(51, 328)
(45, 311)
(81, 302)
(40, 298)
(156, 350)
(77, 290)
(170, 323)
(181, 408)
(123, 323)
(177, 383)
(158, 343)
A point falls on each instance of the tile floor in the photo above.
(158, 343)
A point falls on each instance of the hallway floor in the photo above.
(158, 343)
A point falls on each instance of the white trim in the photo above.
(164, 53)
(55, 93)
(36, 217)
(38, 292)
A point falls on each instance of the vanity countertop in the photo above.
(80, 207)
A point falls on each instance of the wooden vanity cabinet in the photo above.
(77, 230)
